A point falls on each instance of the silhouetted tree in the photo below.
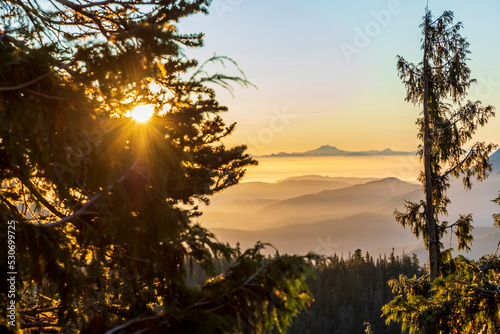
(459, 295)
(104, 207)
(439, 84)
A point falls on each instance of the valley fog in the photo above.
(337, 204)
(271, 169)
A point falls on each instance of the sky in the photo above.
(326, 69)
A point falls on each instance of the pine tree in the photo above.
(104, 208)
(459, 295)
(439, 84)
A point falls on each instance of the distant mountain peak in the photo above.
(327, 147)
(328, 150)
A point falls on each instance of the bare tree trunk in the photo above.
(431, 223)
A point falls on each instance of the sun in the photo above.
(142, 113)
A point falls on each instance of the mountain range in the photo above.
(327, 150)
(338, 215)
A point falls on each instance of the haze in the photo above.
(311, 93)
(338, 214)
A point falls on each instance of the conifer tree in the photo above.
(439, 84)
(459, 295)
(104, 207)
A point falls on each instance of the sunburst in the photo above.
(142, 113)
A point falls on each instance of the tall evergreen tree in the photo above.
(459, 295)
(439, 84)
(104, 208)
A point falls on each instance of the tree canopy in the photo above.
(105, 207)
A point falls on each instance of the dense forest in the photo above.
(349, 294)
(349, 291)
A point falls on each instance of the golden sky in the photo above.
(326, 70)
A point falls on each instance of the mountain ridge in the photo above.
(372, 230)
(327, 150)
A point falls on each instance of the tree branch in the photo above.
(102, 3)
(43, 95)
(456, 166)
(461, 219)
(78, 213)
(91, 16)
(41, 199)
(134, 258)
(412, 71)
(446, 63)
(455, 122)
(84, 208)
(240, 287)
(132, 322)
(26, 84)
(12, 207)
(493, 256)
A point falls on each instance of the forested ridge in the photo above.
(349, 293)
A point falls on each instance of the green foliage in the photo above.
(466, 301)
(459, 295)
(105, 207)
(451, 122)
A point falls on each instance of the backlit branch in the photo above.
(87, 205)
(456, 166)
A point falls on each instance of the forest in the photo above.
(98, 207)
(349, 293)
